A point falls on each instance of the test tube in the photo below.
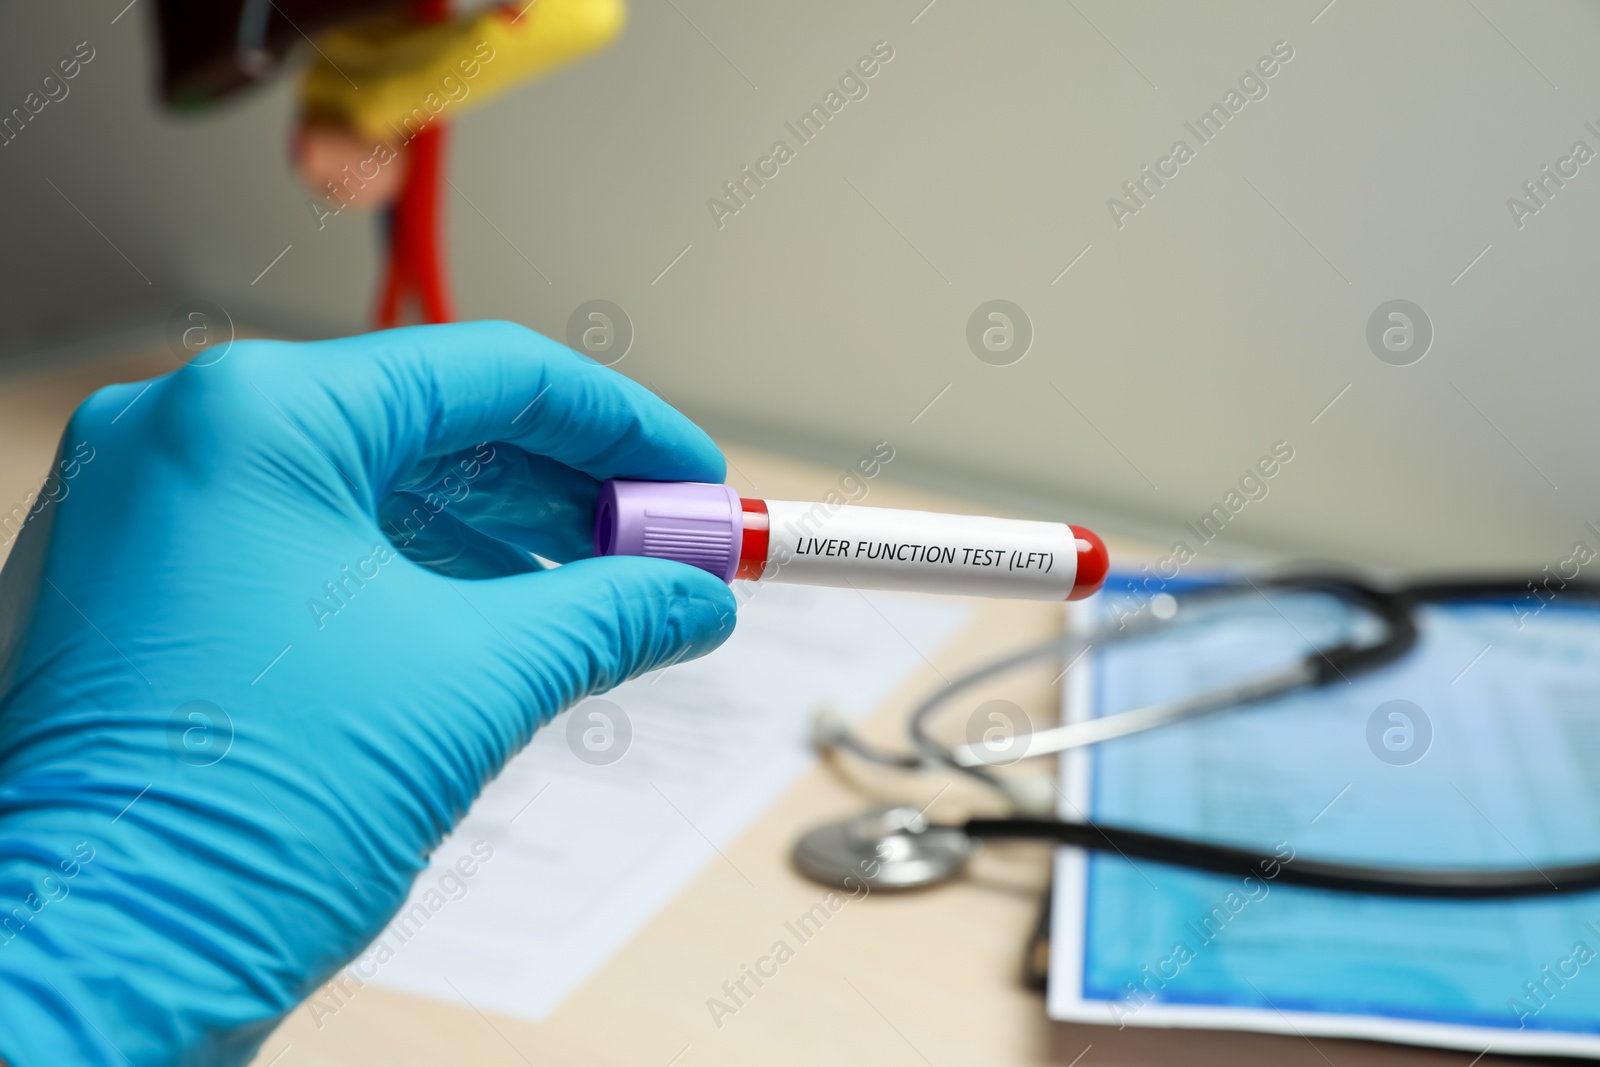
(845, 545)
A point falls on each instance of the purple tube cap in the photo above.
(697, 523)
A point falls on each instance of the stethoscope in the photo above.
(898, 848)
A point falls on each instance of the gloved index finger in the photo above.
(447, 388)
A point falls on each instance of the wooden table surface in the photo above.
(926, 978)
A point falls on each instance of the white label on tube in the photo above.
(880, 548)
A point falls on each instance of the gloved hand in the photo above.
(235, 719)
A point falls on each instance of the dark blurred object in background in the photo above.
(210, 50)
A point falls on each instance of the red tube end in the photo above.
(1093, 563)
(757, 532)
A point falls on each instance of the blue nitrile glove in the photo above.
(235, 721)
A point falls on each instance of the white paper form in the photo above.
(584, 854)
(1506, 774)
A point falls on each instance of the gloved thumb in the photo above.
(592, 624)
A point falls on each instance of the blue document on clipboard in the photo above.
(1480, 748)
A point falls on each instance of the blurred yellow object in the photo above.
(391, 77)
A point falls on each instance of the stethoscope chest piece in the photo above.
(885, 848)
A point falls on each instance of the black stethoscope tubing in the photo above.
(1396, 609)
